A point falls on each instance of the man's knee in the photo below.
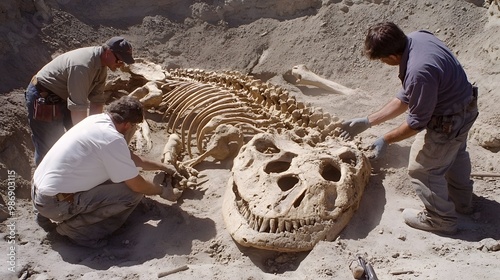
(414, 170)
(130, 196)
(137, 198)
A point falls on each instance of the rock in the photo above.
(489, 244)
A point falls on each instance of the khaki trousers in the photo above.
(439, 169)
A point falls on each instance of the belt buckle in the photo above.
(65, 197)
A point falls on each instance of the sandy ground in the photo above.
(265, 39)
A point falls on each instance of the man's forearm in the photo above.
(140, 185)
(147, 164)
(400, 133)
(391, 110)
(77, 116)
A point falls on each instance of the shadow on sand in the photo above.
(152, 231)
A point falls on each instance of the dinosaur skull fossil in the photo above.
(286, 196)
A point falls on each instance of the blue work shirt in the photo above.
(434, 82)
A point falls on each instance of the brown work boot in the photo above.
(420, 219)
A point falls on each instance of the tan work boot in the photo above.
(420, 219)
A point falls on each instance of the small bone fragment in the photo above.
(175, 270)
(484, 174)
(356, 269)
(146, 133)
(305, 76)
(402, 272)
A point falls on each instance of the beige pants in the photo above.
(440, 167)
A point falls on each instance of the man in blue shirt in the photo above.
(442, 106)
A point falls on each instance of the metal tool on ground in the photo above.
(362, 270)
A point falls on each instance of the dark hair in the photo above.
(384, 39)
(126, 109)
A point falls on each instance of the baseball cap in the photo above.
(121, 48)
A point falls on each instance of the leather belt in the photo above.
(50, 97)
(43, 91)
(69, 197)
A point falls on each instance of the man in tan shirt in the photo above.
(69, 88)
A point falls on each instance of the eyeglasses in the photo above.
(117, 60)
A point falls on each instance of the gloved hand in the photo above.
(379, 147)
(354, 127)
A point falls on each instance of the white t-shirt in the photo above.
(90, 153)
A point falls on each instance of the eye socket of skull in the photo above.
(280, 165)
(330, 171)
(266, 146)
(287, 183)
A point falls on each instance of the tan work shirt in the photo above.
(76, 76)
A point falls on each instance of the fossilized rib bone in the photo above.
(191, 98)
(305, 76)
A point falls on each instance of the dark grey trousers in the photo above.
(93, 214)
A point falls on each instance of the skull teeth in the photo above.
(265, 225)
(272, 225)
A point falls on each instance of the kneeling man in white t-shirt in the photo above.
(89, 183)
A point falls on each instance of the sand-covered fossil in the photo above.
(294, 182)
(288, 196)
